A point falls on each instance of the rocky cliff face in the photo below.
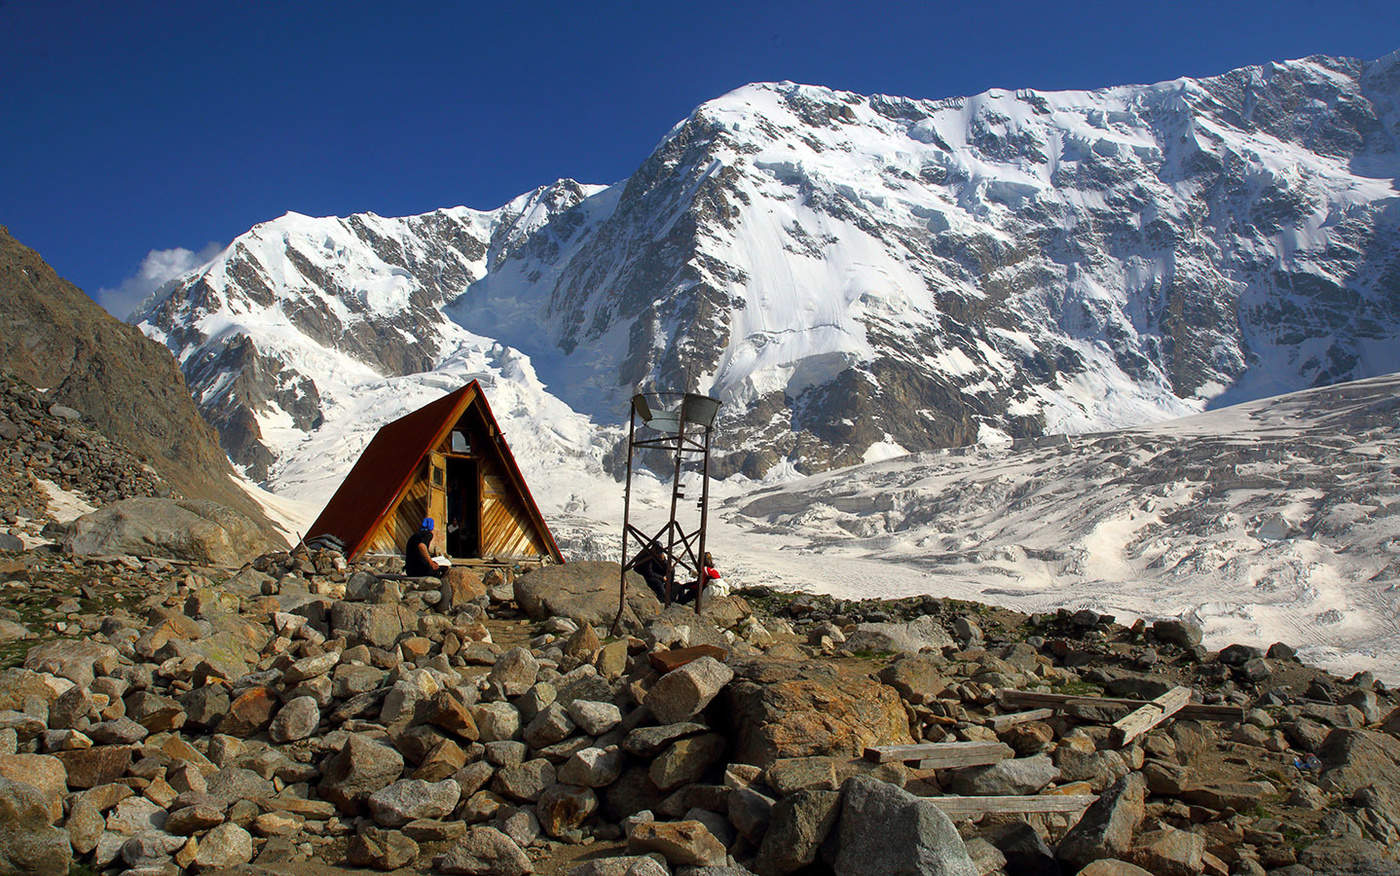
(129, 389)
(855, 275)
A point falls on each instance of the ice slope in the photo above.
(1274, 520)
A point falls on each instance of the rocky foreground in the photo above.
(303, 715)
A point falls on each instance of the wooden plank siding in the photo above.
(505, 527)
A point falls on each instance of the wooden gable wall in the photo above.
(506, 527)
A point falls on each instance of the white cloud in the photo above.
(156, 269)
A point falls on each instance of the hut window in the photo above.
(460, 444)
(438, 479)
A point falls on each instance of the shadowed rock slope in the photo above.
(55, 337)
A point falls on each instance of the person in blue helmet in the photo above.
(417, 559)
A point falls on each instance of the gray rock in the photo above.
(750, 812)
(205, 706)
(358, 770)
(182, 529)
(515, 671)
(901, 638)
(686, 760)
(227, 845)
(310, 667)
(586, 592)
(376, 625)
(684, 692)
(136, 815)
(485, 851)
(407, 799)
(595, 718)
(189, 820)
(592, 767)
(648, 741)
(496, 721)
(119, 731)
(884, 829)
(78, 660)
(623, 865)
(521, 826)
(1175, 631)
(798, 826)
(506, 752)
(1106, 829)
(84, 825)
(231, 784)
(550, 726)
(29, 843)
(296, 720)
(1021, 775)
(150, 849)
(381, 849)
(526, 781)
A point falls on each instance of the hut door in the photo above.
(437, 495)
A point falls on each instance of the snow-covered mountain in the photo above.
(853, 276)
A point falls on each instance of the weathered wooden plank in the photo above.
(1053, 700)
(937, 755)
(665, 661)
(955, 806)
(1001, 722)
(1144, 718)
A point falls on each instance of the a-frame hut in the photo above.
(446, 460)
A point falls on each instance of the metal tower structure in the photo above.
(679, 425)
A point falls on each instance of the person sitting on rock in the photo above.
(651, 565)
(417, 561)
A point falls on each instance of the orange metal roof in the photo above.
(392, 459)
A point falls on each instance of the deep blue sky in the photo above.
(131, 127)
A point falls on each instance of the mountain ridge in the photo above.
(860, 275)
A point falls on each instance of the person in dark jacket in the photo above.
(651, 565)
(418, 561)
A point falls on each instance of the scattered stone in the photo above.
(381, 849)
(563, 808)
(683, 843)
(227, 845)
(295, 720)
(884, 829)
(358, 770)
(29, 843)
(408, 799)
(485, 851)
(921, 634)
(1107, 828)
(798, 825)
(684, 692)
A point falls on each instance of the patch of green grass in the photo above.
(865, 654)
(1296, 837)
(1077, 688)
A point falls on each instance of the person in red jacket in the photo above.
(707, 569)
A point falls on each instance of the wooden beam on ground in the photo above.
(1058, 701)
(665, 661)
(959, 806)
(942, 755)
(1001, 722)
(1144, 718)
